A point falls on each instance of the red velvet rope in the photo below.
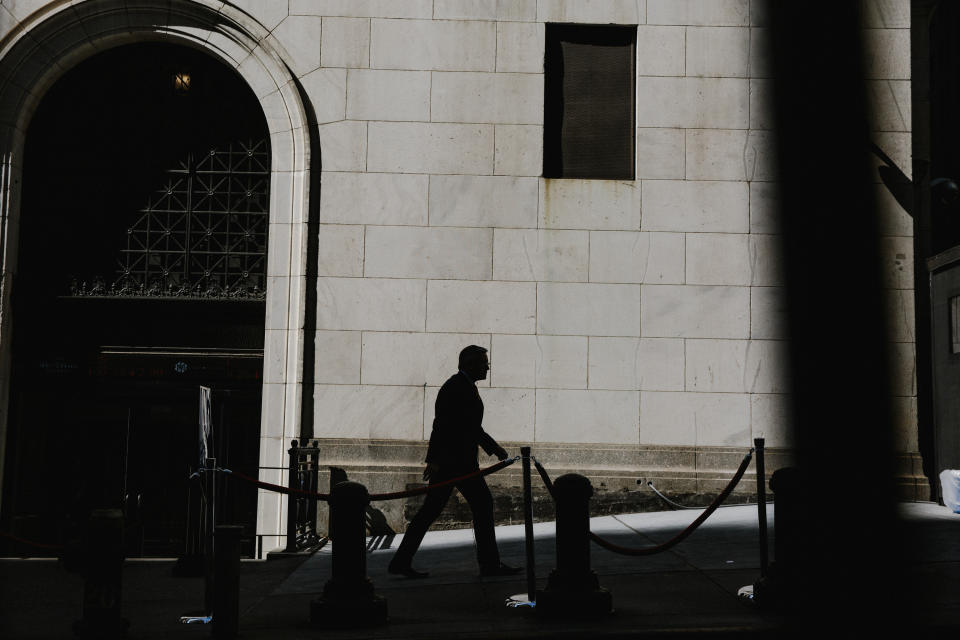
(38, 545)
(648, 551)
(377, 496)
(543, 475)
(275, 487)
(415, 492)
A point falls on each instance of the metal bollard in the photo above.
(226, 582)
(573, 587)
(101, 565)
(778, 588)
(348, 598)
(788, 513)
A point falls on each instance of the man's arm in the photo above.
(491, 447)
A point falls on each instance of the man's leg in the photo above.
(432, 506)
(477, 495)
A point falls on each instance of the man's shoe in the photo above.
(407, 572)
(500, 570)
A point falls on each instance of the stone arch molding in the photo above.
(48, 38)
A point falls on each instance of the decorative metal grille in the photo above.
(202, 235)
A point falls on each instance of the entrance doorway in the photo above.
(141, 276)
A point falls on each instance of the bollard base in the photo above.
(777, 591)
(574, 603)
(101, 629)
(334, 613)
(772, 594)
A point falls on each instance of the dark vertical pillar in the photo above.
(841, 402)
(573, 588)
(226, 578)
(348, 598)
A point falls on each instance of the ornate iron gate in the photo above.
(202, 235)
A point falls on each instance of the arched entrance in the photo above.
(50, 43)
(142, 275)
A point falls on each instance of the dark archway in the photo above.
(142, 273)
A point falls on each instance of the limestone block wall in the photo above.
(639, 314)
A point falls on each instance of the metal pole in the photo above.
(761, 505)
(291, 499)
(209, 521)
(528, 526)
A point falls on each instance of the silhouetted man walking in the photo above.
(457, 432)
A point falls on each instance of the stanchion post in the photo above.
(761, 504)
(293, 463)
(528, 526)
(209, 522)
(348, 598)
(573, 587)
(101, 566)
(226, 604)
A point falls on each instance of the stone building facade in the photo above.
(635, 327)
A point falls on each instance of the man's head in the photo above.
(473, 362)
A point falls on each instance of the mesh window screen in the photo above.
(589, 96)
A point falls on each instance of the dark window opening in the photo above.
(589, 101)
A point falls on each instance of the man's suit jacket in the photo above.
(457, 430)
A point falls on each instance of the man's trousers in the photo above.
(477, 494)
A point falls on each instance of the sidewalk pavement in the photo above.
(691, 589)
